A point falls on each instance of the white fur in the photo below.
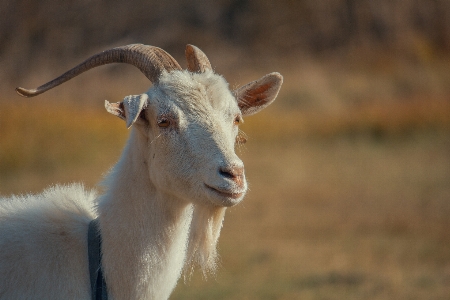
(161, 211)
(43, 244)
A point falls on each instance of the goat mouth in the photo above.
(223, 193)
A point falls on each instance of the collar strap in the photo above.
(98, 284)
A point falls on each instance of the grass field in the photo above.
(339, 219)
(337, 208)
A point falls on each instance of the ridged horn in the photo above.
(149, 60)
(196, 59)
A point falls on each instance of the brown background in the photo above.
(349, 170)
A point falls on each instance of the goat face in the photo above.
(190, 121)
(192, 131)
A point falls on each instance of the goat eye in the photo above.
(164, 123)
(237, 120)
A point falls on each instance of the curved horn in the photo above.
(197, 60)
(149, 60)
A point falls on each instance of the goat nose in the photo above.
(232, 172)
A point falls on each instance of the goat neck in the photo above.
(144, 230)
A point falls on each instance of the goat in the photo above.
(165, 199)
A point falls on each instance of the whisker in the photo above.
(155, 138)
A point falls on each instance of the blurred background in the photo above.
(349, 170)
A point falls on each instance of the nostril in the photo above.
(225, 173)
(231, 172)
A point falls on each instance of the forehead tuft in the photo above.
(196, 89)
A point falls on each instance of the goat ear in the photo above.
(258, 94)
(129, 109)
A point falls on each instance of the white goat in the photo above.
(164, 200)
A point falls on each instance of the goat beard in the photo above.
(204, 233)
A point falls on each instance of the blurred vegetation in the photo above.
(349, 169)
(336, 56)
(47, 30)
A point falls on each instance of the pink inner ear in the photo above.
(258, 94)
(254, 95)
(116, 109)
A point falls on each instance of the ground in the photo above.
(349, 215)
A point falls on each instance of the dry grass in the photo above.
(43, 143)
(335, 211)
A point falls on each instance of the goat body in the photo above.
(164, 201)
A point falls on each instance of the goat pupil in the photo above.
(163, 123)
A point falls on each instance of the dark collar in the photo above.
(98, 284)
